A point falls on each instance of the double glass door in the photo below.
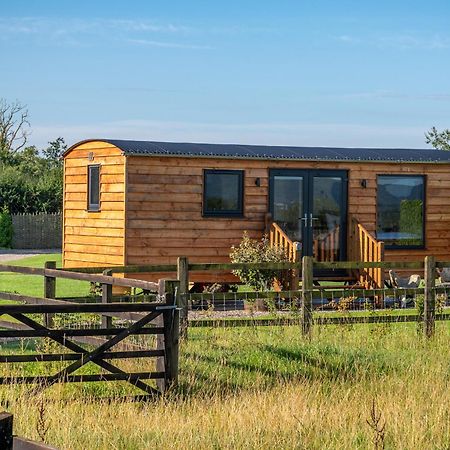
(311, 207)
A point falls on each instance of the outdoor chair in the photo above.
(444, 275)
(411, 282)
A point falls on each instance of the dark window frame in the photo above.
(237, 213)
(93, 207)
(424, 209)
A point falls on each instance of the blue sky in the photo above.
(325, 73)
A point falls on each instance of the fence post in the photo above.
(183, 278)
(307, 286)
(6, 431)
(170, 320)
(49, 292)
(295, 277)
(429, 302)
(107, 298)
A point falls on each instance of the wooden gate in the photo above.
(97, 344)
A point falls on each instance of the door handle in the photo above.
(305, 218)
(311, 218)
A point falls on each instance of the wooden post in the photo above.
(307, 286)
(49, 292)
(296, 272)
(171, 337)
(169, 290)
(107, 298)
(429, 302)
(6, 431)
(183, 278)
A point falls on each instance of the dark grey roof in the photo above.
(152, 148)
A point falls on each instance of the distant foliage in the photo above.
(257, 251)
(30, 183)
(6, 228)
(438, 139)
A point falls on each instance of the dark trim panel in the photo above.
(239, 212)
(93, 207)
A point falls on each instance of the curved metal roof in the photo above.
(154, 148)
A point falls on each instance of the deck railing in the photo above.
(325, 247)
(278, 238)
(365, 247)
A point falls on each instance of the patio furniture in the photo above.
(411, 282)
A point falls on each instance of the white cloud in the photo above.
(27, 25)
(298, 134)
(409, 41)
(401, 41)
(150, 43)
(74, 31)
(435, 97)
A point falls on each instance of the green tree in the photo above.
(14, 127)
(6, 228)
(438, 139)
(54, 152)
(30, 180)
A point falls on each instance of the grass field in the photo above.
(265, 388)
(34, 285)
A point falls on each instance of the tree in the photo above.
(53, 153)
(14, 126)
(438, 139)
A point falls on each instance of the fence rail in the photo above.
(306, 295)
(214, 267)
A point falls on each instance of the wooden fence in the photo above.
(308, 290)
(155, 314)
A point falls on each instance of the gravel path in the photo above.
(7, 254)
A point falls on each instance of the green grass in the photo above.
(33, 285)
(255, 387)
(267, 388)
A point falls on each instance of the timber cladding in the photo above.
(94, 238)
(151, 206)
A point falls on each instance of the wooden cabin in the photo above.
(139, 202)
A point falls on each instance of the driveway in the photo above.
(7, 254)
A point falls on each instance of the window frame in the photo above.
(93, 207)
(238, 213)
(424, 209)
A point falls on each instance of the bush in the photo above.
(6, 228)
(27, 194)
(257, 251)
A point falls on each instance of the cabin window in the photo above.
(400, 210)
(94, 188)
(223, 193)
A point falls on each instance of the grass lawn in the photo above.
(33, 285)
(255, 388)
(267, 388)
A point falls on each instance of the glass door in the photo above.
(288, 201)
(328, 213)
(311, 207)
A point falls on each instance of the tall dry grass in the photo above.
(266, 389)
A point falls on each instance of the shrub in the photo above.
(257, 251)
(6, 228)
